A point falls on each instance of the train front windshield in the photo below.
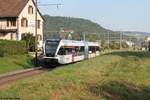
(51, 47)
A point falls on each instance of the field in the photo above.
(120, 75)
(13, 63)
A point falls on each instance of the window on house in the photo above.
(11, 22)
(38, 23)
(30, 10)
(39, 37)
(24, 22)
(7, 23)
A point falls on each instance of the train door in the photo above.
(73, 54)
(78, 53)
(86, 51)
(65, 55)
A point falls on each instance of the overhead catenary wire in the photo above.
(48, 4)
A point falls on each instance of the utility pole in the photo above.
(108, 39)
(36, 48)
(121, 40)
(84, 36)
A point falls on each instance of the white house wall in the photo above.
(31, 21)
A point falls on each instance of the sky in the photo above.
(117, 15)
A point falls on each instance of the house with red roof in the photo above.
(17, 17)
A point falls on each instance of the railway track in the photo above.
(12, 77)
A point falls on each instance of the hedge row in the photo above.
(12, 47)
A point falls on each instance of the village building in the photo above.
(130, 43)
(66, 33)
(17, 17)
(145, 44)
(147, 38)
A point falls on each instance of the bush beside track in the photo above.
(12, 48)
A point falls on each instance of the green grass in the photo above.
(13, 63)
(115, 76)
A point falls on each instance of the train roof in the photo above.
(93, 44)
(75, 42)
(78, 43)
(72, 43)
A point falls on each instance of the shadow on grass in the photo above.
(141, 54)
(114, 90)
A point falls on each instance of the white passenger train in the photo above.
(69, 51)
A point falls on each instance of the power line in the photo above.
(59, 4)
(108, 39)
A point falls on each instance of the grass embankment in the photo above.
(16, 62)
(114, 76)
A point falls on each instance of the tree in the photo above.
(30, 41)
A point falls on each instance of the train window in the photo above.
(97, 49)
(82, 49)
(76, 51)
(65, 51)
(92, 49)
(50, 47)
(61, 51)
(68, 51)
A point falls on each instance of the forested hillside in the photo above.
(53, 24)
(92, 30)
(77, 24)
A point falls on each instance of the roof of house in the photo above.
(12, 8)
